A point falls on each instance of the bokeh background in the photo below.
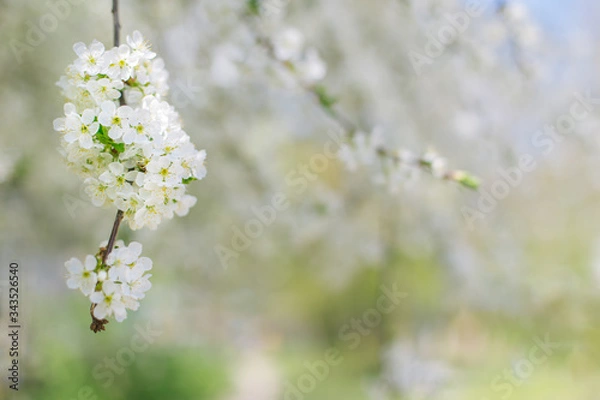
(480, 295)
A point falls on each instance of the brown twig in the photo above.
(113, 235)
(98, 324)
(116, 23)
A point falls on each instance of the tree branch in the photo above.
(113, 236)
(97, 324)
(116, 23)
(327, 103)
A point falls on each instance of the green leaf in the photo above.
(102, 136)
(326, 100)
(466, 179)
(120, 147)
(254, 7)
(188, 180)
(133, 83)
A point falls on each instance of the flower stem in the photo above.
(98, 324)
(113, 236)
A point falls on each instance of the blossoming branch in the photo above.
(300, 66)
(126, 143)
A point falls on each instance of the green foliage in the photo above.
(102, 136)
(189, 180)
(157, 374)
(173, 374)
(325, 99)
(254, 7)
(466, 179)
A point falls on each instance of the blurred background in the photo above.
(489, 294)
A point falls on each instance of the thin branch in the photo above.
(97, 324)
(116, 23)
(113, 236)
(350, 128)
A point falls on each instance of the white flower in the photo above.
(81, 128)
(102, 275)
(144, 263)
(115, 119)
(109, 302)
(120, 259)
(158, 77)
(149, 215)
(288, 44)
(134, 96)
(86, 162)
(104, 89)
(195, 164)
(97, 191)
(89, 60)
(163, 198)
(162, 170)
(129, 204)
(362, 150)
(138, 283)
(140, 46)
(347, 157)
(82, 276)
(129, 302)
(120, 63)
(117, 179)
(184, 205)
(367, 146)
(135, 250)
(60, 124)
(437, 164)
(394, 175)
(143, 126)
(311, 68)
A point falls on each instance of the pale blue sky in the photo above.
(559, 15)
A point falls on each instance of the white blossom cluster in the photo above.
(361, 150)
(122, 138)
(305, 62)
(390, 168)
(113, 287)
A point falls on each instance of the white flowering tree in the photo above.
(272, 80)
